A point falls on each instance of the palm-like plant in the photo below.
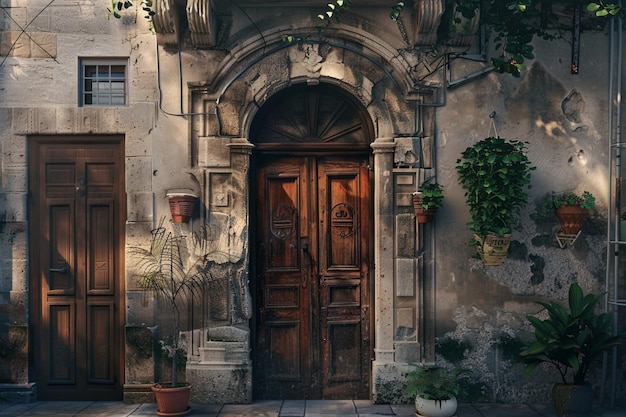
(571, 340)
(437, 383)
(175, 273)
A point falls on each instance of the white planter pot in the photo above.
(435, 408)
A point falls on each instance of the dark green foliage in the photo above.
(510, 347)
(119, 5)
(437, 383)
(585, 201)
(432, 195)
(495, 174)
(536, 268)
(571, 340)
(453, 350)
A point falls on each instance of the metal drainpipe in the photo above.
(614, 123)
(618, 136)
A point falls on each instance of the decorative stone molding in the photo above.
(427, 16)
(201, 23)
(166, 23)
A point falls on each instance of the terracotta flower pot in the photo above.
(172, 401)
(422, 215)
(571, 218)
(182, 206)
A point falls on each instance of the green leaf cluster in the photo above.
(174, 273)
(570, 341)
(605, 9)
(117, 6)
(495, 174)
(586, 200)
(437, 383)
(515, 23)
(432, 195)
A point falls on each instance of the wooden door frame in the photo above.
(35, 313)
(253, 199)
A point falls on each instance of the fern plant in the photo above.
(175, 270)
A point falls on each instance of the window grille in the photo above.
(104, 82)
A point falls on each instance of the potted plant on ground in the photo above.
(175, 273)
(427, 200)
(571, 209)
(570, 341)
(495, 174)
(436, 389)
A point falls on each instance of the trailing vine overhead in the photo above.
(510, 24)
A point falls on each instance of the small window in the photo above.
(103, 82)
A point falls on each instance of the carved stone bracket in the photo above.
(166, 23)
(427, 14)
(201, 23)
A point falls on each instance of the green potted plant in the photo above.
(427, 200)
(571, 209)
(570, 340)
(435, 389)
(495, 174)
(175, 269)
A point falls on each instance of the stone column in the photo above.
(382, 368)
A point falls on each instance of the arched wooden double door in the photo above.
(312, 251)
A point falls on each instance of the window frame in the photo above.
(105, 84)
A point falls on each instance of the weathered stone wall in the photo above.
(186, 127)
(563, 118)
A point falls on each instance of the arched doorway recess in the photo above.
(312, 256)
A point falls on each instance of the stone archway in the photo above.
(223, 141)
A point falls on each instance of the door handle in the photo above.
(60, 270)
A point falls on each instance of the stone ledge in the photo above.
(18, 393)
(138, 393)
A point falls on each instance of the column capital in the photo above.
(383, 145)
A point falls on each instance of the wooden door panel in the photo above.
(284, 334)
(78, 192)
(284, 353)
(344, 286)
(283, 255)
(344, 355)
(60, 343)
(59, 258)
(101, 269)
(100, 342)
(313, 337)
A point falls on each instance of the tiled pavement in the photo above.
(287, 408)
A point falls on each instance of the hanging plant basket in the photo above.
(493, 249)
(421, 214)
(571, 218)
(182, 206)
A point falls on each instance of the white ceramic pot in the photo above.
(435, 408)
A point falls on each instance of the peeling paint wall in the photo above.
(563, 119)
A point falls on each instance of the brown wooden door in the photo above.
(313, 338)
(77, 204)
